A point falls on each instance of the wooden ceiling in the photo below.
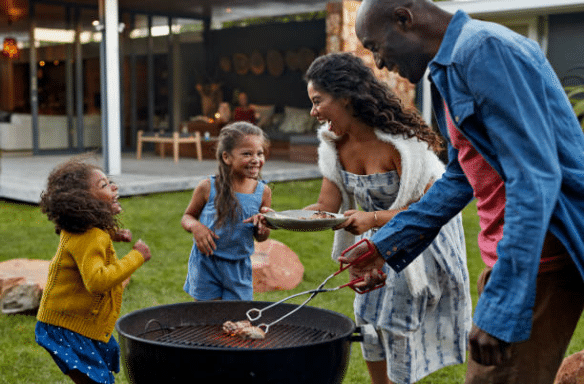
(14, 14)
(15, 10)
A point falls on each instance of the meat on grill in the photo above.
(243, 329)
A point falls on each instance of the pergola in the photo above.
(22, 16)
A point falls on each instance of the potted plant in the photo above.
(574, 87)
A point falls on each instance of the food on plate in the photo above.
(322, 215)
(243, 329)
(304, 220)
(317, 215)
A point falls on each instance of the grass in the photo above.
(26, 233)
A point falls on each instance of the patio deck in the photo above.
(22, 178)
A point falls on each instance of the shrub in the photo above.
(574, 87)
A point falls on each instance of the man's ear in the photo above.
(403, 18)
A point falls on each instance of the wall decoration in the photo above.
(275, 63)
(305, 57)
(292, 60)
(225, 64)
(258, 64)
(241, 63)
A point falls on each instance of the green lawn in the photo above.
(26, 233)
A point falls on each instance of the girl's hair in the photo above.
(67, 201)
(230, 137)
(344, 75)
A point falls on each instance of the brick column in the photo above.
(340, 37)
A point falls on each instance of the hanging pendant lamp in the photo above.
(10, 49)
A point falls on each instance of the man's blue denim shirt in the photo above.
(506, 99)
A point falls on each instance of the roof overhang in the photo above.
(216, 11)
(225, 10)
(265, 9)
(497, 8)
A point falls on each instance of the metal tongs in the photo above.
(255, 314)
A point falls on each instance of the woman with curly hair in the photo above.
(83, 295)
(375, 154)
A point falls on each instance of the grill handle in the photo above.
(364, 333)
(357, 335)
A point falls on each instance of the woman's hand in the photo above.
(358, 222)
(204, 238)
(123, 235)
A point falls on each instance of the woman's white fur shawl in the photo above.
(420, 165)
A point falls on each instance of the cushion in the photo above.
(264, 114)
(297, 120)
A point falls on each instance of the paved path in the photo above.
(22, 178)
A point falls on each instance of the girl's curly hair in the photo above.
(67, 201)
(344, 75)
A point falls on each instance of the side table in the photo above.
(176, 139)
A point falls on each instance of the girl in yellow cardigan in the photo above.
(82, 299)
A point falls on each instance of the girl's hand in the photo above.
(358, 222)
(263, 220)
(123, 235)
(261, 226)
(204, 238)
(141, 247)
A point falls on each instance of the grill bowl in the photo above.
(183, 343)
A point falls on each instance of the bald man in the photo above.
(516, 146)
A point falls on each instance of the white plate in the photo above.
(300, 220)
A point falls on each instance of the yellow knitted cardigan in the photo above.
(84, 285)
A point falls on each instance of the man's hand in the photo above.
(486, 349)
(369, 267)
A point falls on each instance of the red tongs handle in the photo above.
(360, 290)
(343, 266)
(370, 251)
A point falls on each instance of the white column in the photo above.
(110, 98)
(426, 99)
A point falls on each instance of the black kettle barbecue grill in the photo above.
(184, 343)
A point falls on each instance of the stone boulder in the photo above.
(275, 267)
(21, 284)
(572, 370)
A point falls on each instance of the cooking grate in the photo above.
(213, 336)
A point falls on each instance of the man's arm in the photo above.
(410, 232)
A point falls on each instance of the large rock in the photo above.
(22, 298)
(572, 370)
(21, 284)
(275, 267)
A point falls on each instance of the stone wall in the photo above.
(340, 37)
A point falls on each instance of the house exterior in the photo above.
(556, 25)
